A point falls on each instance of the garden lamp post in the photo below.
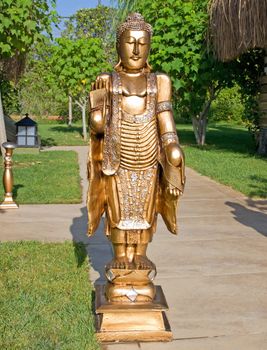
(8, 202)
(27, 135)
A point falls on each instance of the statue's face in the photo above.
(134, 49)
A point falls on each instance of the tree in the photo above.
(38, 89)
(235, 28)
(75, 64)
(22, 22)
(94, 23)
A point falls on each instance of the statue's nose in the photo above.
(136, 49)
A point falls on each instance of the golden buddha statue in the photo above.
(136, 166)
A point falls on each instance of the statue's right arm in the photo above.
(99, 103)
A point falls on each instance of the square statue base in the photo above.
(134, 321)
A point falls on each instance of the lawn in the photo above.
(47, 177)
(45, 297)
(228, 157)
(55, 134)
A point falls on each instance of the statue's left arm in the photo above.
(172, 152)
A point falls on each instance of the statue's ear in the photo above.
(118, 67)
(147, 68)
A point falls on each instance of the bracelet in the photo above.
(98, 108)
(169, 137)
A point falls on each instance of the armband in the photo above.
(164, 106)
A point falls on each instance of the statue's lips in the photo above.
(135, 58)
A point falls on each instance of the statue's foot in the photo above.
(143, 263)
(120, 263)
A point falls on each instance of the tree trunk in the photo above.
(70, 111)
(262, 148)
(200, 124)
(82, 103)
(3, 137)
(84, 121)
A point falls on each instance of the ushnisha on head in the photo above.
(133, 44)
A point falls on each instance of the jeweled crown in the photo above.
(134, 21)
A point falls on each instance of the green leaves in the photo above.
(76, 63)
(23, 22)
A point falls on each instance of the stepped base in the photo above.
(136, 321)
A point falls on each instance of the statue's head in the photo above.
(133, 43)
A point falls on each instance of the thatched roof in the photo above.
(237, 26)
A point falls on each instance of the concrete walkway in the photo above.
(214, 274)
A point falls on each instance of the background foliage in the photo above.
(181, 48)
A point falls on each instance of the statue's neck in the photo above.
(133, 73)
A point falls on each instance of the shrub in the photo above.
(228, 106)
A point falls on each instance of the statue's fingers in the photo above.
(107, 85)
(92, 86)
(104, 84)
(104, 106)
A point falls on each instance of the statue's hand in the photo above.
(173, 191)
(99, 84)
(99, 95)
(174, 154)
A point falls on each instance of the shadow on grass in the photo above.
(80, 253)
(48, 142)
(16, 189)
(224, 138)
(251, 218)
(258, 187)
(97, 247)
(68, 129)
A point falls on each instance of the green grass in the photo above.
(45, 297)
(228, 157)
(45, 178)
(56, 134)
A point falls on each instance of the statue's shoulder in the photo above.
(164, 86)
(163, 78)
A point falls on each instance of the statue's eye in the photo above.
(130, 40)
(142, 41)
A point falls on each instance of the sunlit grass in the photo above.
(229, 157)
(47, 177)
(56, 134)
(45, 297)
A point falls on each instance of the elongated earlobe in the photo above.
(148, 68)
(118, 67)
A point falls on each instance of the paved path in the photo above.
(214, 274)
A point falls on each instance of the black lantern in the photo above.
(27, 135)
